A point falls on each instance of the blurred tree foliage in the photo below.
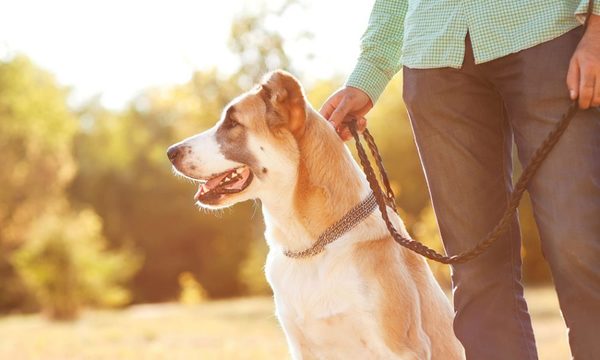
(114, 164)
(258, 43)
(35, 139)
(125, 174)
(126, 178)
(47, 248)
(191, 291)
(36, 129)
(65, 263)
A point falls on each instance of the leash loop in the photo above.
(388, 199)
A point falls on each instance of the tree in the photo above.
(36, 129)
(259, 45)
(36, 138)
(66, 265)
(126, 178)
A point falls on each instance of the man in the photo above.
(476, 75)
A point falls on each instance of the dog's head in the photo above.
(252, 147)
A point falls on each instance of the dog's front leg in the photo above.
(299, 349)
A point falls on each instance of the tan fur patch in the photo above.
(249, 111)
(285, 100)
(325, 188)
(383, 263)
(326, 185)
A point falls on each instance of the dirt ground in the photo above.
(242, 328)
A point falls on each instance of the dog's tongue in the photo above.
(209, 185)
(214, 182)
(241, 181)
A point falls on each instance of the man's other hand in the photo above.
(583, 78)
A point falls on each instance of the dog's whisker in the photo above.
(255, 206)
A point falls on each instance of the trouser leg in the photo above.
(566, 191)
(464, 143)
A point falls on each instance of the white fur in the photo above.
(205, 157)
(310, 291)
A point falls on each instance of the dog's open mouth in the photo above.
(228, 182)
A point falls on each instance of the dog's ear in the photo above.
(286, 104)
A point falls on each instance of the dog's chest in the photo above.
(326, 305)
(316, 288)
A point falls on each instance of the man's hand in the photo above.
(348, 101)
(583, 78)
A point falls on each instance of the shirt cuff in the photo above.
(582, 10)
(368, 78)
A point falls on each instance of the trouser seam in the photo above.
(510, 233)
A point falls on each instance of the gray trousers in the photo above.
(464, 122)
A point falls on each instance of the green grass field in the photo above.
(230, 329)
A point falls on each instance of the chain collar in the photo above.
(339, 228)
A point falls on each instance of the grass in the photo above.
(231, 329)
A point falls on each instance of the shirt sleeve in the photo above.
(380, 48)
(582, 9)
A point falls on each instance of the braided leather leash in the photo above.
(384, 200)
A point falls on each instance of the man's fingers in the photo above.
(573, 79)
(586, 88)
(345, 134)
(344, 130)
(340, 113)
(326, 110)
(596, 99)
(329, 107)
(337, 108)
(361, 124)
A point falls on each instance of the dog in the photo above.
(361, 296)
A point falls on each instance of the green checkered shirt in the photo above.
(431, 33)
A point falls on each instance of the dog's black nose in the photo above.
(173, 153)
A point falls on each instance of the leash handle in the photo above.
(503, 225)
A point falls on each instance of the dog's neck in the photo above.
(329, 183)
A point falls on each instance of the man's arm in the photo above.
(379, 60)
(381, 47)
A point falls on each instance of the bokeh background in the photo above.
(102, 251)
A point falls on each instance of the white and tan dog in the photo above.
(364, 297)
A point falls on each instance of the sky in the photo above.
(118, 48)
